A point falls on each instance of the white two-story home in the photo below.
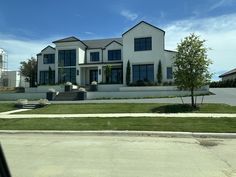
(83, 61)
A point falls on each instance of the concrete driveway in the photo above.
(65, 155)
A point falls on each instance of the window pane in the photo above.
(143, 73)
(135, 73)
(94, 56)
(114, 54)
(150, 73)
(169, 73)
(142, 44)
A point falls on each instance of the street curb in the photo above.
(126, 133)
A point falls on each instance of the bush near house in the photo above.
(223, 84)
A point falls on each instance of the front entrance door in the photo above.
(93, 75)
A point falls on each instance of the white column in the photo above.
(99, 74)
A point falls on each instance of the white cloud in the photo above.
(20, 50)
(219, 33)
(88, 32)
(129, 15)
(220, 4)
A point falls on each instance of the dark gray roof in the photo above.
(101, 43)
(68, 39)
(233, 71)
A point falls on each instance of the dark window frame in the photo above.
(114, 55)
(48, 58)
(62, 76)
(169, 75)
(142, 44)
(139, 72)
(94, 56)
(67, 57)
(44, 77)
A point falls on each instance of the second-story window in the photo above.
(66, 58)
(94, 56)
(48, 58)
(142, 44)
(114, 54)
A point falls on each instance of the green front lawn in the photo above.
(140, 124)
(130, 108)
(7, 107)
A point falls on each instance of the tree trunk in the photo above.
(192, 98)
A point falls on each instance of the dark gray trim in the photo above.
(170, 51)
(112, 42)
(101, 63)
(39, 54)
(146, 24)
(48, 47)
(75, 39)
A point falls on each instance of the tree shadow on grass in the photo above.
(174, 108)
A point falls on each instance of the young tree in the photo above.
(108, 73)
(128, 73)
(50, 75)
(29, 70)
(191, 65)
(159, 73)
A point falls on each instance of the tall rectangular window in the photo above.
(114, 54)
(48, 58)
(143, 73)
(94, 56)
(142, 44)
(67, 75)
(66, 58)
(116, 76)
(169, 73)
(46, 78)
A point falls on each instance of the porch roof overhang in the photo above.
(101, 64)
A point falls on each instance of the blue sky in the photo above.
(26, 26)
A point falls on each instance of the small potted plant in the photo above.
(82, 94)
(51, 94)
(68, 87)
(94, 86)
(21, 103)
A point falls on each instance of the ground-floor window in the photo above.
(93, 75)
(67, 75)
(143, 73)
(169, 73)
(46, 77)
(116, 76)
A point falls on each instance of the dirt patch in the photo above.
(208, 143)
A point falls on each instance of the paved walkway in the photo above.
(116, 115)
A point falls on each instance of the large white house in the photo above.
(84, 61)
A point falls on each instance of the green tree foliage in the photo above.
(128, 73)
(29, 70)
(108, 73)
(191, 65)
(159, 73)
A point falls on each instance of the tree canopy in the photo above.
(29, 70)
(192, 65)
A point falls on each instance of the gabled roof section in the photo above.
(144, 23)
(101, 43)
(47, 48)
(233, 71)
(115, 42)
(68, 39)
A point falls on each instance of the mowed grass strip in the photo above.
(130, 108)
(7, 107)
(219, 125)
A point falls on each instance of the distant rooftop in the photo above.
(233, 71)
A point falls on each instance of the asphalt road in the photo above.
(48, 155)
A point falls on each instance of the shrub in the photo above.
(21, 102)
(43, 102)
(222, 84)
(81, 89)
(51, 90)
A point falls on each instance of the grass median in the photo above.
(130, 108)
(7, 107)
(217, 125)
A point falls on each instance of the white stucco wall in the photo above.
(146, 57)
(94, 50)
(112, 46)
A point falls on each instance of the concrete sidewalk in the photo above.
(116, 115)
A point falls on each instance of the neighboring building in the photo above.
(82, 62)
(3, 60)
(13, 79)
(230, 75)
